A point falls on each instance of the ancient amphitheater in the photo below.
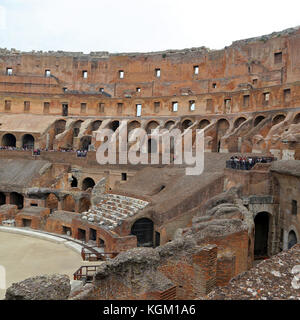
(155, 231)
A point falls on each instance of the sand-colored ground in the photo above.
(24, 257)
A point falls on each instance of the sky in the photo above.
(139, 25)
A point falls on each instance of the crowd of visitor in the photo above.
(246, 163)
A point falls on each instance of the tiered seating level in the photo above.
(113, 209)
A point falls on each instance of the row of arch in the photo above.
(9, 140)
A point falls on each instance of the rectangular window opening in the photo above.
(175, 106)
(83, 107)
(47, 73)
(278, 57)
(287, 95)
(156, 106)
(124, 176)
(46, 107)
(157, 73)
(294, 207)
(196, 69)
(84, 74)
(26, 106)
(121, 74)
(138, 110)
(9, 71)
(246, 100)
(192, 105)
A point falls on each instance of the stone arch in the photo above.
(28, 141)
(84, 204)
(88, 183)
(186, 124)
(69, 203)
(76, 128)
(85, 142)
(261, 222)
(297, 119)
(292, 239)
(95, 125)
(143, 229)
(203, 123)
(17, 199)
(239, 121)
(151, 125)
(2, 198)
(278, 118)
(52, 202)
(258, 119)
(222, 127)
(9, 140)
(169, 124)
(114, 125)
(59, 126)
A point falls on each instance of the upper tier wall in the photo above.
(261, 62)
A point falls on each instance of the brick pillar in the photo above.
(205, 266)
(225, 268)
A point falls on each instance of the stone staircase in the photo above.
(113, 209)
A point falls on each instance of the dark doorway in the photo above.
(28, 141)
(8, 140)
(85, 142)
(93, 234)
(67, 231)
(2, 198)
(81, 235)
(157, 239)
(26, 223)
(65, 109)
(143, 230)
(17, 199)
(74, 183)
(87, 183)
(292, 239)
(261, 235)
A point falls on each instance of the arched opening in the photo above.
(186, 124)
(169, 124)
(28, 141)
(297, 119)
(59, 126)
(17, 199)
(84, 204)
(96, 125)
(76, 128)
(222, 127)
(292, 239)
(152, 146)
(132, 126)
(52, 202)
(114, 125)
(74, 183)
(261, 222)
(279, 118)
(2, 198)
(87, 183)
(239, 121)
(85, 142)
(151, 126)
(258, 120)
(203, 123)
(9, 140)
(143, 230)
(69, 203)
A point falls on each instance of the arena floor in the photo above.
(24, 257)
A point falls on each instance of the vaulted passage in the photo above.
(8, 140)
(292, 239)
(28, 141)
(2, 198)
(52, 202)
(261, 222)
(87, 183)
(17, 199)
(143, 230)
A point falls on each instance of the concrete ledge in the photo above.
(73, 246)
